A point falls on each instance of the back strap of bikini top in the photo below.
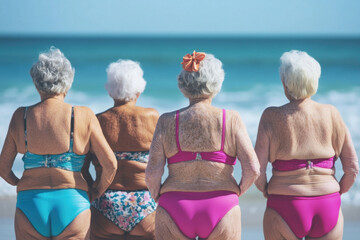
(222, 133)
(72, 130)
(25, 131)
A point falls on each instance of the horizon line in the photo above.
(177, 35)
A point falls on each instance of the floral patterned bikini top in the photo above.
(68, 161)
(142, 157)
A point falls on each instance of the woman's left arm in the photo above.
(246, 155)
(349, 163)
(262, 150)
(8, 155)
(155, 166)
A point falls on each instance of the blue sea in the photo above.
(251, 84)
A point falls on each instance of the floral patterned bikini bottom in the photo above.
(125, 208)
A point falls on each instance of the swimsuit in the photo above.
(312, 216)
(198, 213)
(126, 208)
(50, 211)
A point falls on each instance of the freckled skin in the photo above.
(303, 129)
(200, 128)
(48, 132)
(130, 128)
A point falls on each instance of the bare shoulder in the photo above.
(234, 117)
(83, 110)
(272, 112)
(84, 114)
(19, 113)
(148, 112)
(17, 118)
(167, 117)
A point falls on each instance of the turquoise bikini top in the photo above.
(68, 161)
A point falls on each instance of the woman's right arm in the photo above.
(105, 156)
(262, 147)
(157, 160)
(9, 152)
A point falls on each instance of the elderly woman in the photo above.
(302, 139)
(200, 142)
(125, 210)
(52, 200)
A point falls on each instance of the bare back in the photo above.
(128, 128)
(48, 132)
(200, 130)
(301, 130)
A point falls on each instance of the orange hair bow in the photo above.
(191, 62)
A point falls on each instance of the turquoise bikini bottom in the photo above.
(51, 211)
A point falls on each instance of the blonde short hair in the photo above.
(300, 74)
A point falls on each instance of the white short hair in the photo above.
(125, 80)
(52, 73)
(300, 74)
(206, 82)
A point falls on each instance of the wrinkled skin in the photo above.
(126, 127)
(48, 132)
(303, 129)
(200, 128)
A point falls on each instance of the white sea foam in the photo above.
(250, 104)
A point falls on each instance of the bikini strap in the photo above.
(72, 130)
(177, 130)
(25, 130)
(223, 130)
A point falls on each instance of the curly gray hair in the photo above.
(206, 82)
(52, 73)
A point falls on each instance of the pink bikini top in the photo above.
(295, 164)
(218, 156)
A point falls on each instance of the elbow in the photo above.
(113, 166)
(3, 173)
(255, 172)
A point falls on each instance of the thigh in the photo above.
(165, 227)
(102, 228)
(145, 228)
(24, 229)
(275, 227)
(79, 228)
(229, 226)
(336, 233)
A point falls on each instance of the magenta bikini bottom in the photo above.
(198, 213)
(308, 216)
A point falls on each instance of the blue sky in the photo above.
(234, 17)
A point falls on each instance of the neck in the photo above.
(59, 97)
(118, 102)
(193, 101)
(299, 101)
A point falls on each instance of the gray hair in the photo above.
(206, 82)
(52, 73)
(125, 80)
(300, 74)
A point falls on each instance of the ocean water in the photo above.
(251, 79)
